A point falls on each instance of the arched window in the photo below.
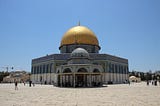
(127, 70)
(58, 71)
(113, 71)
(32, 70)
(47, 70)
(40, 70)
(37, 69)
(43, 71)
(116, 69)
(119, 69)
(124, 72)
(110, 68)
(50, 69)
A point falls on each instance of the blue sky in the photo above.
(125, 28)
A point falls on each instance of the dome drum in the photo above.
(71, 47)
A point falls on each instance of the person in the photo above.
(16, 85)
(30, 83)
(152, 82)
(147, 83)
(33, 83)
(53, 83)
(155, 82)
(24, 83)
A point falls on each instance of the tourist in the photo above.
(152, 82)
(155, 82)
(24, 83)
(16, 85)
(147, 83)
(33, 84)
(128, 82)
(30, 82)
(53, 83)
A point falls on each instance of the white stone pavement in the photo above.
(137, 94)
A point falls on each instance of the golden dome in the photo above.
(79, 35)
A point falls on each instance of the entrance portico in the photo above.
(79, 79)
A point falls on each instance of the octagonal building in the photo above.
(79, 63)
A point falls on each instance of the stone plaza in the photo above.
(136, 94)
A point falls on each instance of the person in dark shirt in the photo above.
(16, 85)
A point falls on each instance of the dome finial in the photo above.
(79, 24)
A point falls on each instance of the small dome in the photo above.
(132, 77)
(79, 35)
(80, 52)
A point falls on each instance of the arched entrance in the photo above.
(67, 78)
(81, 78)
(96, 71)
(96, 78)
(58, 79)
(67, 70)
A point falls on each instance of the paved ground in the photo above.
(138, 94)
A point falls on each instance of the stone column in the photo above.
(113, 73)
(90, 80)
(74, 80)
(60, 80)
(101, 75)
(65, 80)
(83, 80)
